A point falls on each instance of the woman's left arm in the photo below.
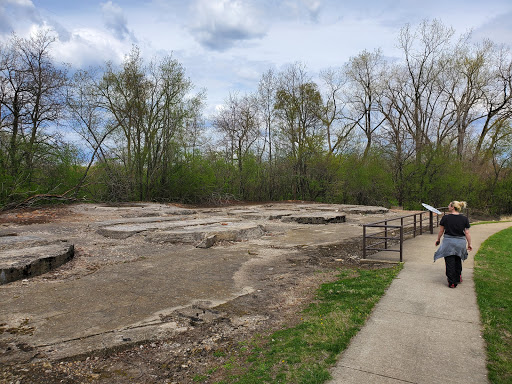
(468, 238)
(439, 234)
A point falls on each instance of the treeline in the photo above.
(431, 126)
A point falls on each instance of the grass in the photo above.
(493, 282)
(302, 354)
(490, 222)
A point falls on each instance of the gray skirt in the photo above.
(452, 246)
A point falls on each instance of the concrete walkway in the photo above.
(421, 331)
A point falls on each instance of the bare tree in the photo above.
(14, 88)
(337, 127)
(33, 96)
(497, 102)
(395, 138)
(464, 82)
(238, 122)
(151, 105)
(425, 58)
(364, 74)
(47, 85)
(267, 89)
(298, 104)
(88, 118)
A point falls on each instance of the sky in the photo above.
(226, 45)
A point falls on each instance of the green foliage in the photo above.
(493, 283)
(498, 196)
(252, 179)
(440, 178)
(55, 172)
(61, 171)
(366, 180)
(322, 183)
(199, 179)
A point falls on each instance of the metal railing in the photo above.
(391, 234)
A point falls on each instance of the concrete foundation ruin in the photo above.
(106, 274)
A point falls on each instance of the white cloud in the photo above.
(225, 45)
(21, 3)
(90, 47)
(498, 29)
(313, 7)
(220, 24)
(115, 20)
(14, 13)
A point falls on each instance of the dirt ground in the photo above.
(213, 336)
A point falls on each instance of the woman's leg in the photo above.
(458, 267)
(452, 272)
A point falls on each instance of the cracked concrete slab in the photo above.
(23, 263)
(266, 214)
(8, 242)
(124, 229)
(137, 266)
(205, 236)
(315, 218)
(205, 228)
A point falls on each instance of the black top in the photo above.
(454, 225)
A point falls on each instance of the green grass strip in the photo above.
(493, 282)
(303, 354)
(490, 222)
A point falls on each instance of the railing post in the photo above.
(364, 241)
(401, 242)
(414, 231)
(386, 235)
(401, 237)
(421, 223)
(431, 224)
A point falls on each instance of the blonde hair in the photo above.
(459, 205)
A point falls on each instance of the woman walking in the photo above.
(455, 228)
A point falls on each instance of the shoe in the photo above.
(460, 279)
(452, 285)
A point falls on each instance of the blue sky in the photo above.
(225, 45)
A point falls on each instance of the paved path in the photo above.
(421, 331)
